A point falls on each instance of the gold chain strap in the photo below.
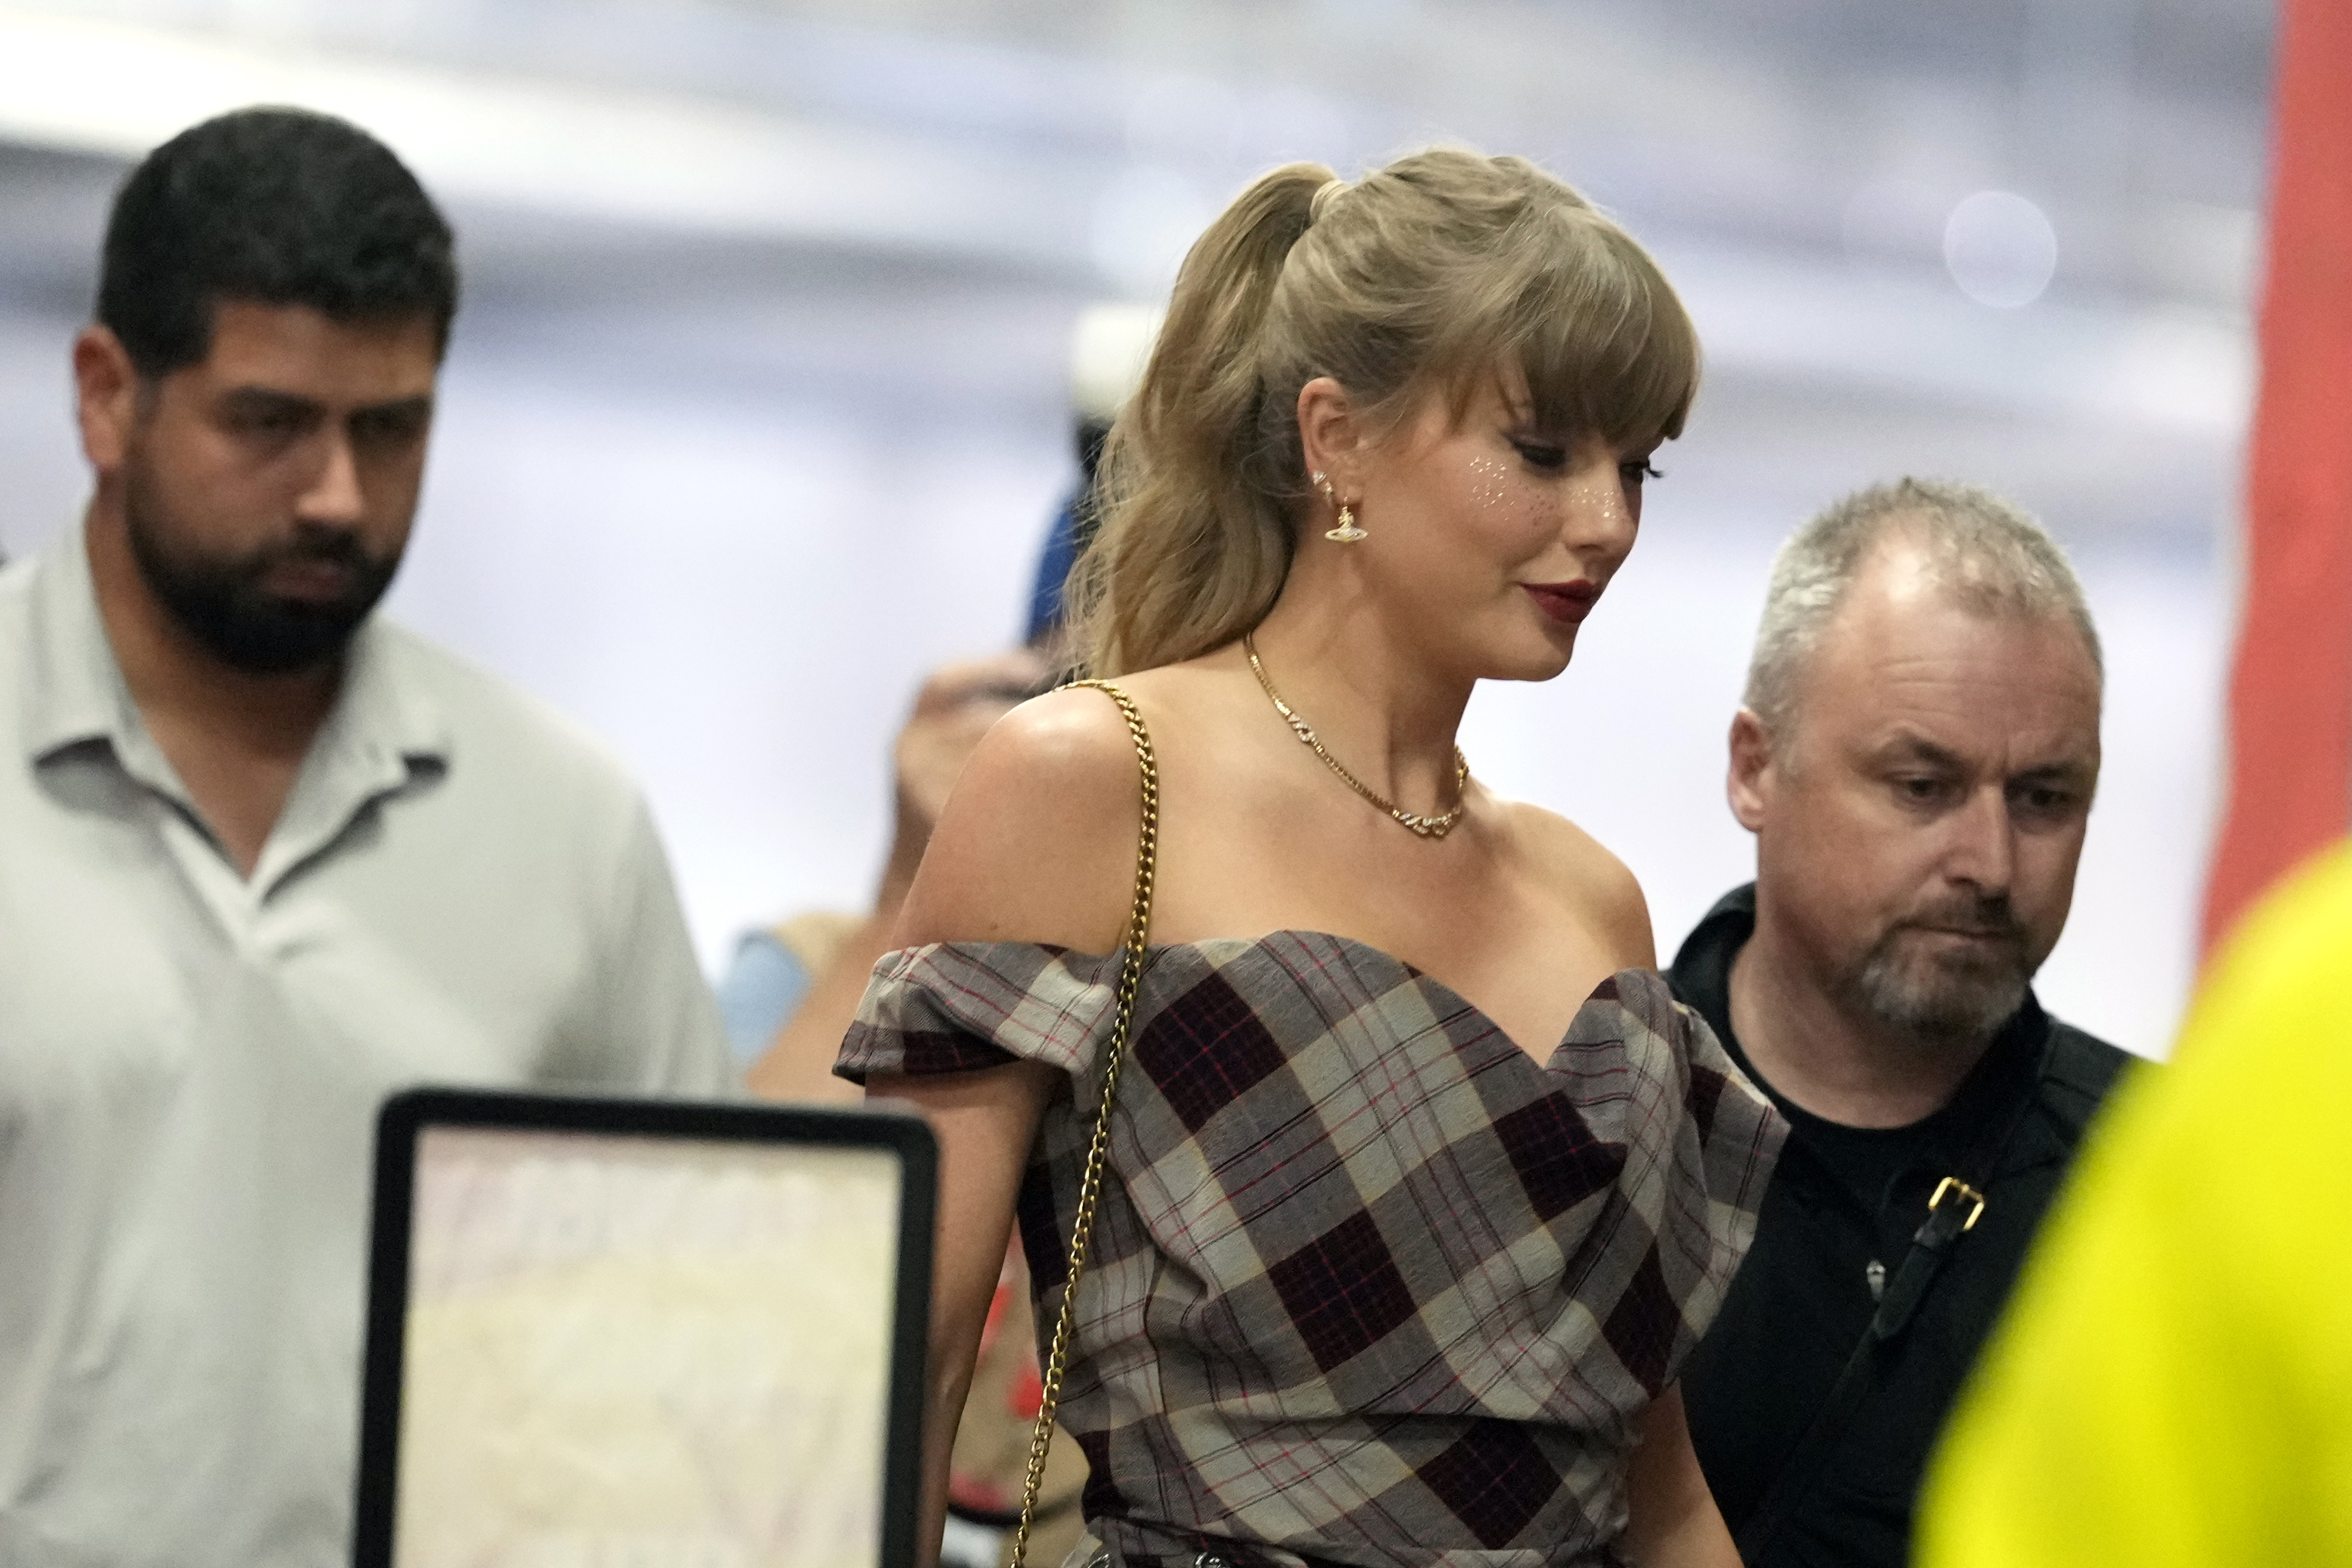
(1130, 981)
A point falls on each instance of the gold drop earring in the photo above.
(1346, 532)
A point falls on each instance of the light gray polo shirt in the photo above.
(461, 889)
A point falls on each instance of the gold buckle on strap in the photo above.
(1968, 1194)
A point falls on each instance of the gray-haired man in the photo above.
(1917, 758)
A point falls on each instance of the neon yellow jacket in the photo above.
(2174, 1383)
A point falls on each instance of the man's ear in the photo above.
(1755, 771)
(106, 386)
(1331, 436)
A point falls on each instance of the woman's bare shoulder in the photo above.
(1593, 880)
(1037, 839)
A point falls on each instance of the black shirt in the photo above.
(1841, 1209)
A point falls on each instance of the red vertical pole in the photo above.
(2289, 777)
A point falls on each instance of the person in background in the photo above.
(2173, 1388)
(1108, 349)
(791, 989)
(268, 857)
(1917, 758)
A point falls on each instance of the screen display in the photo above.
(626, 1351)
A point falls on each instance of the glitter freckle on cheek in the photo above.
(1589, 490)
(1489, 484)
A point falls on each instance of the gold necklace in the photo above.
(1427, 826)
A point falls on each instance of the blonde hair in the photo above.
(1441, 268)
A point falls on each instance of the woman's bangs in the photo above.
(1605, 348)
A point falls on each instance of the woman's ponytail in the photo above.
(1193, 548)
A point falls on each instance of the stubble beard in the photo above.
(220, 601)
(1945, 995)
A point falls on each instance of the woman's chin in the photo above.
(1541, 661)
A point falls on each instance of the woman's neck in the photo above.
(1375, 702)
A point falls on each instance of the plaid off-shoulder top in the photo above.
(1372, 1286)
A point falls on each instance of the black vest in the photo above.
(1802, 1299)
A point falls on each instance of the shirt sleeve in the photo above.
(2174, 1385)
(656, 1029)
(765, 985)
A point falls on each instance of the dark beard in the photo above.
(220, 602)
(1948, 998)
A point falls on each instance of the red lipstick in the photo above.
(1567, 603)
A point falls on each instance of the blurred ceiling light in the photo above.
(2001, 249)
(2186, 368)
(119, 90)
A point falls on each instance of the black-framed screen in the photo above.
(604, 1332)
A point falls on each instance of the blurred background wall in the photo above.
(757, 405)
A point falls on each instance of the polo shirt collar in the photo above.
(382, 734)
(383, 708)
(74, 690)
(384, 724)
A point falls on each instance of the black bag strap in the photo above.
(1952, 1212)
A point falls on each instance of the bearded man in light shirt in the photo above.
(267, 857)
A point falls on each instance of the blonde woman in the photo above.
(1418, 1185)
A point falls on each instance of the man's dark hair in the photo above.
(279, 206)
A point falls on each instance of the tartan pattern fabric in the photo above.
(1372, 1286)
